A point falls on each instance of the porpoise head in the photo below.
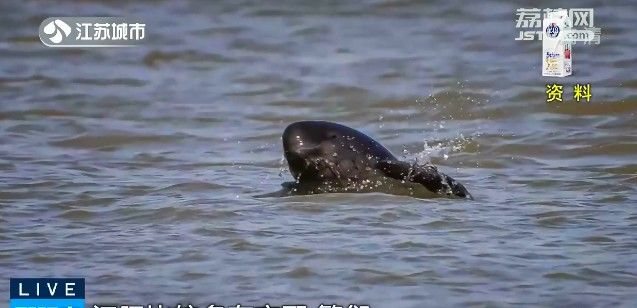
(325, 151)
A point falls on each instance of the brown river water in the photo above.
(137, 168)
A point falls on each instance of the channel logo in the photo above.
(46, 293)
(80, 31)
(57, 31)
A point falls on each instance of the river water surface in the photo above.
(137, 167)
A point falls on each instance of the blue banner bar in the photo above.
(46, 303)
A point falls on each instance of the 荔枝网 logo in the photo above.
(91, 32)
(46, 292)
(552, 30)
(580, 20)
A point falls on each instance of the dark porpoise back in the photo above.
(330, 157)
